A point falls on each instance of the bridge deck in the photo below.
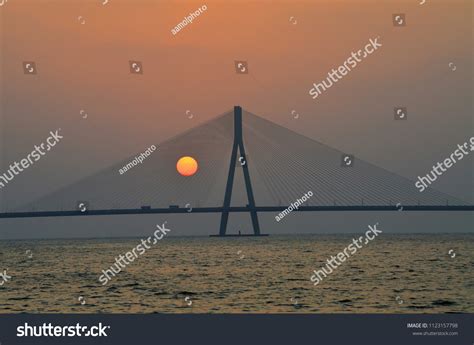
(173, 210)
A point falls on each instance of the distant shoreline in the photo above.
(348, 234)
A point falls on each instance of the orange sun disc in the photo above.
(187, 166)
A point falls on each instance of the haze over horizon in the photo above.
(85, 67)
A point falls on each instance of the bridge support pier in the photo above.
(239, 146)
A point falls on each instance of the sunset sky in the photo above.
(86, 67)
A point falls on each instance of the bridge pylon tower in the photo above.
(238, 146)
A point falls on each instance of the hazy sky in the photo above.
(86, 67)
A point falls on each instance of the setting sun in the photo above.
(187, 166)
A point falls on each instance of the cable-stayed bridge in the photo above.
(278, 167)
